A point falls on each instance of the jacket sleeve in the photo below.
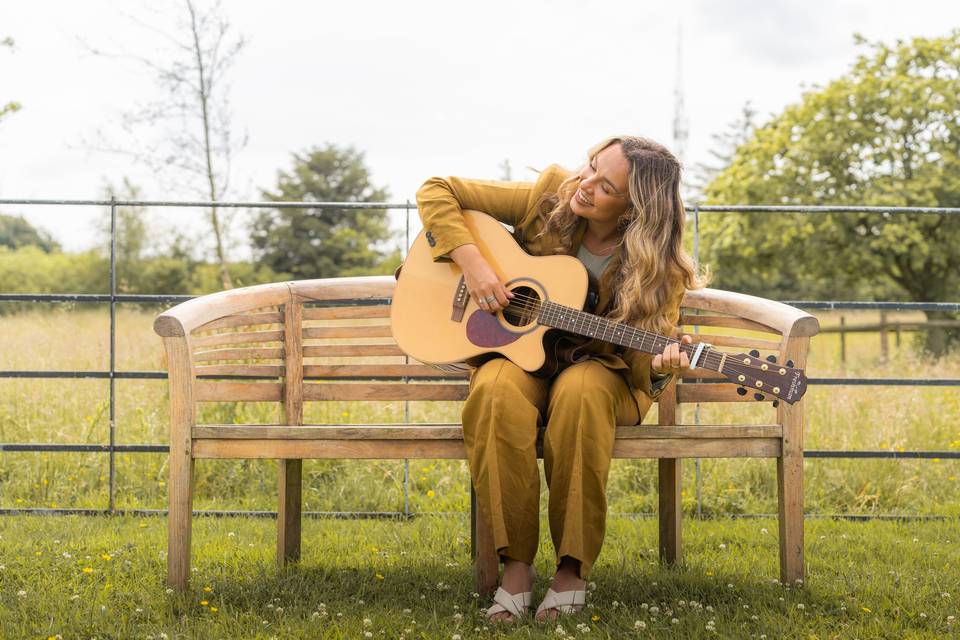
(441, 202)
(640, 362)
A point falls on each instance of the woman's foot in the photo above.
(567, 578)
(517, 578)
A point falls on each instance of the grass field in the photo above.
(77, 411)
(85, 577)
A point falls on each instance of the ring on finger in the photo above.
(490, 299)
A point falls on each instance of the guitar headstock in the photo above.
(763, 377)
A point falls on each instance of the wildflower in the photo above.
(674, 621)
(709, 608)
(867, 610)
(75, 597)
(639, 625)
(204, 603)
(458, 617)
(595, 617)
(406, 610)
(455, 636)
(106, 557)
(66, 555)
(38, 553)
(169, 591)
(379, 577)
(88, 569)
(430, 493)
(923, 615)
(722, 546)
(143, 525)
(22, 593)
(593, 586)
(207, 589)
(367, 634)
(138, 610)
(214, 609)
(764, 531)
(654, 610)
(367, 622)
(801, 607)
(560, 631)
(944, 595)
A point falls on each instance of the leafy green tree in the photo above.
(16, 232)
(324, 242)
(888, 134)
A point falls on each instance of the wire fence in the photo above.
(112, 374)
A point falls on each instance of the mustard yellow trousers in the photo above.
(581, 408)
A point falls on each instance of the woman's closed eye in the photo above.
(603, 185)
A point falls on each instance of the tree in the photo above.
(10, 107)
(725, 149)
(16, 232)
(887, 133)
(321, 243)
(192, 122)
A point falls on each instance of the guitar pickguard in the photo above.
(484, 330)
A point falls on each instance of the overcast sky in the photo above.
(423, 88)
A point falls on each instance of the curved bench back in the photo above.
(330, 339)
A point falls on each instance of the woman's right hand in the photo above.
(482, 282)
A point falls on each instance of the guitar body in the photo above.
(436, 322)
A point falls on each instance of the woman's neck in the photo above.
(601, 237)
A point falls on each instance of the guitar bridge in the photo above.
(460, 299)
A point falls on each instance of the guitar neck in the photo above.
(586, 324)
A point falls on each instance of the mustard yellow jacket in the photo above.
(441, 201)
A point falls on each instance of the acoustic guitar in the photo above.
(435, 321)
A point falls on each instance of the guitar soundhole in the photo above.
(523, 308)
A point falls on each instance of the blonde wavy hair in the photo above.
(653, 262)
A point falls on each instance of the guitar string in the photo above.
(530, 303)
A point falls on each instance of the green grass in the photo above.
(83, 577)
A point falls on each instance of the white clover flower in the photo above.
(458, 616)
(654, 610)
(729, 585)
(162, 636)
(721, 546)
(754, 618)
(764, 531)
(592, 585)
(801, 607)
(681, 603)
(950, 619)
(455, 636)
(315, 615)
(615, 604)
(674, 621)
(169, 591)
(367, 622)
(367, 634)
(560, 631)
(944, 595)
(640, 625)
(709, 608)
(746, 606)
(360, 602)
(22, 593)
(475, 594)
(406, 610)
(138, 610)
(644, 606)
(923, 615)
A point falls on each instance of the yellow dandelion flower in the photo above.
(867, 610)
(423, 478)
(595, 617)
(430, 493)
(19, 500)
(214, 609)
(204, 603)
(88, 569)
(207, 589)
(106, 556)
(709, 573)
(38, 553)
(375, 549)
(379, 577)
(143, 525)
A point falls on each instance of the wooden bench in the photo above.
(329, 339)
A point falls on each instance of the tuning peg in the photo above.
(771, 358)
(742, 391)
(790, 363)
(755, 353)
(776, 403)
(758, 396)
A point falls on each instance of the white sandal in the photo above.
(517, 605)
(563, 601)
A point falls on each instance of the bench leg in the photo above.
(670, 510)
(288, 515)
(179, 520)
(486, 562)
(790, 502)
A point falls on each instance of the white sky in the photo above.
(423, 88)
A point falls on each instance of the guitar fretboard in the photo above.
(586, 324)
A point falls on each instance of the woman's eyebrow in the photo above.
(606, 179)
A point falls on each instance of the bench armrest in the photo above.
(789, 321)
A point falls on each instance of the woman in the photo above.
(622, 215)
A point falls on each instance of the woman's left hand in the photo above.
(672, 360)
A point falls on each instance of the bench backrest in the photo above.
(330, 339)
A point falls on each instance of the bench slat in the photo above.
(730, 322)
(454, 449)
(378, 371)
(239, 354)
(238, 337)
(273, 370)
(354, 331)
(242, 320)
(345, 313)
(711, 392)
(205, 391)
(455, 432)
(351, 350)
(384, 391)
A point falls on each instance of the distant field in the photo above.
(76, 411)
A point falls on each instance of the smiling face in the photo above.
(602, 195)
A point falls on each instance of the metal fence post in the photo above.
(113, 347)
(406, 403)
